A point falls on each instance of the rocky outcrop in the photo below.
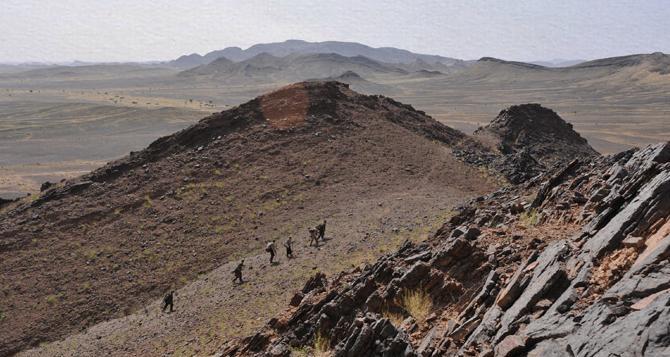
(581, 270)
(539, 130)
(525, 141)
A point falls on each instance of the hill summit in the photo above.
(537, 130)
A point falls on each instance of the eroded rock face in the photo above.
(565, 274)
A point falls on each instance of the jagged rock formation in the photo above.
(577, 266)
(530, 139)
(539, 131)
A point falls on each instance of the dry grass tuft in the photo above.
(529, 218)
(321, 344)
(395, 318)
(417, 303)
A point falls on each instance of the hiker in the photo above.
(270, 248)
(238, 272)
(289, 249)
(322, 230)
(313, 236)
(168, 300)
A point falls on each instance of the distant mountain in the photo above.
(188, 61)
(267, 67)
(292, 47)
(512, 63)
(656, 62)
(558, 62)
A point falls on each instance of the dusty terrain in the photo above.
(102, 246)
(571, 264)
(86, 260)
(44, 140)
(614, 103)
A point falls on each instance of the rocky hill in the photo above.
(575, 265)
(524, 141)
(105, 245)
(536, 133)
(88, 258)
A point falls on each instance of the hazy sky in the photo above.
(125, 30)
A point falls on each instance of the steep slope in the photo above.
(578, 270)
(104, 245)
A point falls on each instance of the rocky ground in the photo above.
(104, 246)
(573, 263)
(558, 253)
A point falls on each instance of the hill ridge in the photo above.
(217, 191)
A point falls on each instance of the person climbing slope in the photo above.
(289, 248)
(238, 272)
(313, 236)
(322, 230)
(270, 248)
(168, 300)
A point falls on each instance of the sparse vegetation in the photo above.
(416, 302)
(395, 318)
(148, 203)
(529, 218)
(299, 352)
(52, 299)
(321, 344)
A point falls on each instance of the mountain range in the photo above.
(293, 47)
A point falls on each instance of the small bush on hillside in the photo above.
(52, 299)
(417, 303)
(321, 344)
(529, 218)
(299, 352)
(395, 318)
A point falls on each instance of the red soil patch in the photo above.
(286, 107)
